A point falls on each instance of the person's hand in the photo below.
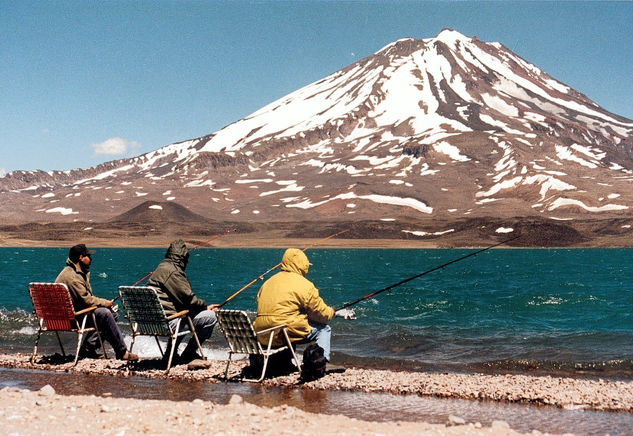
(109, 303)
(213, 307)
(345, 313)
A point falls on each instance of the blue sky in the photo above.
(85, 82)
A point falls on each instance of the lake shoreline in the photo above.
(226, 242)
(561, 392)
(277, 243)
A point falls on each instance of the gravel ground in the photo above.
(562, 392)
(26, 412)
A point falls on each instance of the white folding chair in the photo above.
(243, 339)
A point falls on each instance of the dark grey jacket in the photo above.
(174, 290)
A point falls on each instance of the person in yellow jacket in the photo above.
(291, 299)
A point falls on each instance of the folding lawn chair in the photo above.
(55, 312)
(147, 317)
(243, 339)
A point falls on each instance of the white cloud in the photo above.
(114, 146)
(3, 172)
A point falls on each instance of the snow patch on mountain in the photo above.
(62, 211)
(383, 199)
(561, 202)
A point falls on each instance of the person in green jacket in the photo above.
(76, 277)
(289, 298)
(175, 295)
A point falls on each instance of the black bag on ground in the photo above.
(313, 365)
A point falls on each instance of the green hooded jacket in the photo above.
(291, 299)
(174, 290)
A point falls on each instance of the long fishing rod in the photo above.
(261, 277)
(136, 283)
(351, 303)
(144, 277)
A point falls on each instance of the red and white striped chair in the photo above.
(55, 312)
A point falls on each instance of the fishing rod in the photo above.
(261, 277)
(424, 273)
(144, 277)
(136, 283)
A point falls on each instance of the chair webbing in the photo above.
(144, 309)
(52, 303)
(238, 331)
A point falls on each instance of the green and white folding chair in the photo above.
(147, 318)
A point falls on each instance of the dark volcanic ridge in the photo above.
(159, 212)
(159, 226)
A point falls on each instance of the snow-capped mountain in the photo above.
(445, 128)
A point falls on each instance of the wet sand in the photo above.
(45, 412)
(567, 393)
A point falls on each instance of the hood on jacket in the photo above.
(295, 260)
(178, 253)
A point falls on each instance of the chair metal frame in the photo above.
(243, 339)
(54, 310)
(147, 317)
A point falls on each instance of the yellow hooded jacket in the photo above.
(291, 299)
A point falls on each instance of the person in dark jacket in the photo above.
(76, 277)
(175, 294)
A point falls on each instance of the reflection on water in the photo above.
(366, 406)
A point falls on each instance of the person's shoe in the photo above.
(89, 353)
(185, 357)
(129, 356)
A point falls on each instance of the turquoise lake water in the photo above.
(519, 310)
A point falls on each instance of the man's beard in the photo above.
(85, 268)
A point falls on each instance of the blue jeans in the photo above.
(321, 333)
(203, 323)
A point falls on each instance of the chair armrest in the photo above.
(86, 310)
(178, 315)
(277, 327)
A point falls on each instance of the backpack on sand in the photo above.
(313, 366)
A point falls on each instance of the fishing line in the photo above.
(209, 240)
(261, 277)
(402, 282)
(192, 249)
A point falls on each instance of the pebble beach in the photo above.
(237, 416)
